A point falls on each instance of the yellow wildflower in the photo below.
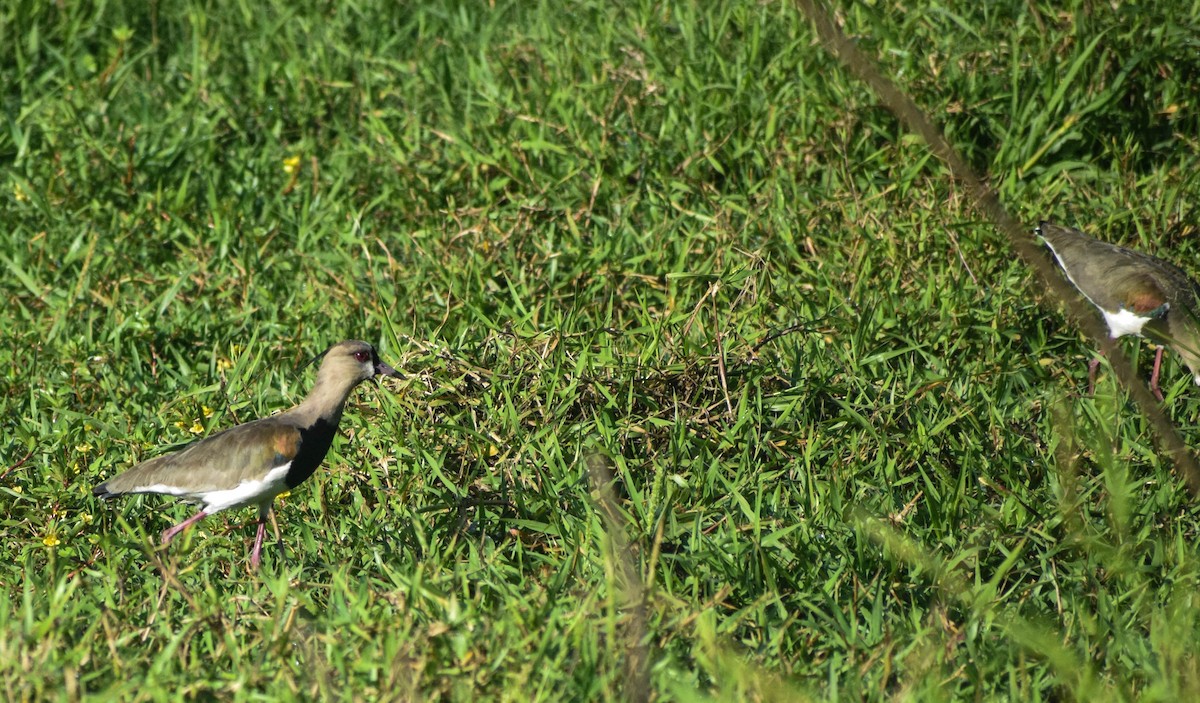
(83, 448)
(207, 411)
(196, 428)
(50, 540)
(19, 194)
(291, 165)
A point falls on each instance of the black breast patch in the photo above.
(314, 445)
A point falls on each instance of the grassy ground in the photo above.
(674, 243)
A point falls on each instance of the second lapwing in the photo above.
(250, 464)
(1136, 293)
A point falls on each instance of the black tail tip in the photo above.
(102, 491)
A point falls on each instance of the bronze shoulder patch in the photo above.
(286, 444)
(1145, 297)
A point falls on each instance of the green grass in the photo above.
(853, 454)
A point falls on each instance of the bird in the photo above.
(252, 463)
(1136, 293)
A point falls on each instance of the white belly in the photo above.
(245, 493)
(1124, 322)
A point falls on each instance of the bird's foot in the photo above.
(1092, 366)
(256, 553)
(1158, 355)
(172, 532)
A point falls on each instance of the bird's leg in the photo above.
(256, 553)
(1092, 366)
(170, 533)
(1154, 374)
(278, 539)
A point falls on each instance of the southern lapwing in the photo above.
(1137, 293)
(250, 464)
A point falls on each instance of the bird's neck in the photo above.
(324, 402)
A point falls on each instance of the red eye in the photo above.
(362, 356)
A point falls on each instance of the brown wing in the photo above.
(1112, 277)
(243, 453)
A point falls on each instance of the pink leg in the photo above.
(1092, 366)
(1154, 375)
(256, 553)
(170, 534)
